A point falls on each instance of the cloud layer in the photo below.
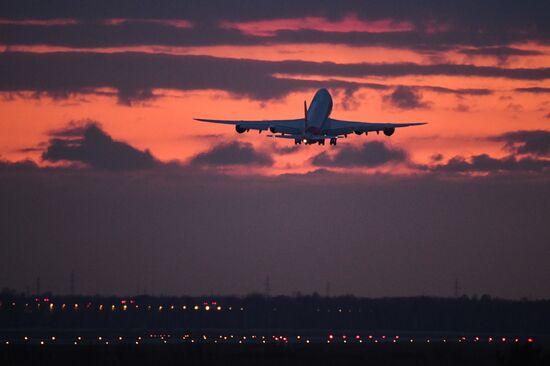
(90, 145)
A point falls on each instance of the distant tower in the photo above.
(38, 290)
(327, 289)
(72, 283)
(456, 288)
(267, 288)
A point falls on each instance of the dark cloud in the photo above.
(494, 24)
(90, 145)
(487, 164)
(404, 97)
(436, 157)
(134, 75)
(536, 142)
(232, 153)
(501, 53)
(536, 90)
(369, 154)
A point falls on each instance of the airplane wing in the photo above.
(292, 126)
(339, 127)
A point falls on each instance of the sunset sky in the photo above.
(98, 147)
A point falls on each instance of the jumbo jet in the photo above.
(316, 126)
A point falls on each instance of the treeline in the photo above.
(314, 312)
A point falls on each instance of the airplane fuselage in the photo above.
(318, 112)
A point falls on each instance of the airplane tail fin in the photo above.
(305, 115)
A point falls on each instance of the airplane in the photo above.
(316, 126)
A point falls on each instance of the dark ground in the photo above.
(275, 354)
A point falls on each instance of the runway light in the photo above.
(503, 339)
(207, 307)
(42, 342)
(490, 339)
(219, 308)
(196, 307)
(530, 340)
(26, 338)
(53, 338)
(99, 338)
(124, 307)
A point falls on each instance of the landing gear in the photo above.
(321, 142)
(333, 141)
(297, 141)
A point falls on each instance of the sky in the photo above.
(104, 172)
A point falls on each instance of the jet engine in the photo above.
(273, 129)
(389, 131)
(358, 132)
(240, 129)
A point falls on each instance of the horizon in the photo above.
(103, 171)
